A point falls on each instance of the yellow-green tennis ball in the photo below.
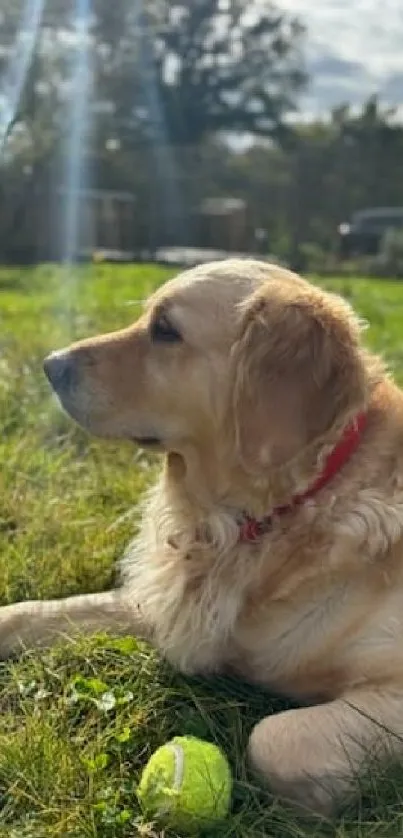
(187, 783)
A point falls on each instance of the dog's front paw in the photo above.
(298, 764)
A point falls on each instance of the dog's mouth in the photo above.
(146, 441)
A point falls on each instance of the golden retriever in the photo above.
(272, 545)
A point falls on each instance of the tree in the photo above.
(233, 66)
(173, 70)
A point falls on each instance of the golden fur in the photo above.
(246, 406)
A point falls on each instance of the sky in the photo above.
(354, 48)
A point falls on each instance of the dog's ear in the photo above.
(297, 371)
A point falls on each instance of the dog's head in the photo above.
(237, 356)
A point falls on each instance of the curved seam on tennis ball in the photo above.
(179, 764)
(179, 767)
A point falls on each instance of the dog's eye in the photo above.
(162, 331)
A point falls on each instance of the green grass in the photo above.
(78, 722)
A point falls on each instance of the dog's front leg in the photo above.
(36, 623)
(316, 756)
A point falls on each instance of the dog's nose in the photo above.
(59, 368)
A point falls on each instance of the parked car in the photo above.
(363, 234)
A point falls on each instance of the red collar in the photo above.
(252, 529)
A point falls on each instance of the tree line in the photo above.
(175, 83)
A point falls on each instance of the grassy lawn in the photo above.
(77, 723)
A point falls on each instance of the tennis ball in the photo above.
(187, 783)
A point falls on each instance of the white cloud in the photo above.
(352, 45)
